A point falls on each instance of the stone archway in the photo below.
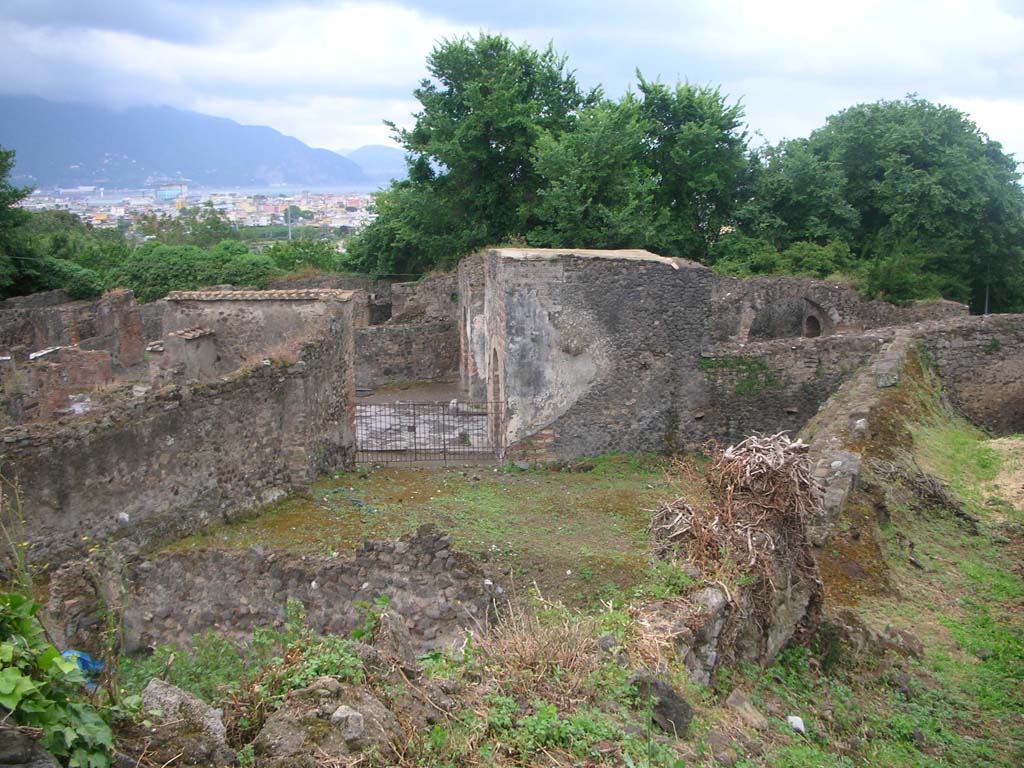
(812, 327)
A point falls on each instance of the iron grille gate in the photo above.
(404, 433)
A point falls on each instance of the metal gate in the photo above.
(406, 433)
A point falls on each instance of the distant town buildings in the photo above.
(107, 208)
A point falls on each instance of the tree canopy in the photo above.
(472, 175)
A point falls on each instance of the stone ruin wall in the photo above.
(249, 326)
(179, 594)
(754, 309)
(150, 466)
(603, 351)
(981, 363)
(46, 387)
(472, 331)
(419, 342)
(396, 355)
(111, 323)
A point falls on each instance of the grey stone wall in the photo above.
(147, 468)
(770, 386)
(252, 325)
(778, 307)
(586, 348)
(435, 296)
(981, 363)
(472, 329)
(388, 355)
(438, 592)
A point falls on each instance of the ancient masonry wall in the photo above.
(978, 361)
(770, 386)
(252, 325)
(435, 296)
(41, 388)
(785, 307)
(389, 355)
(581, 344)
(981, 362)
(111, 323)
(141, 470)
(439, 593)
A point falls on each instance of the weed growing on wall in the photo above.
(753, 375)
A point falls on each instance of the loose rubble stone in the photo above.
(183, 723)
(671, 712)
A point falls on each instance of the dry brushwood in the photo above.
(766, 494)
(927, 489)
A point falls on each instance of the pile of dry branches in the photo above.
(764, 495)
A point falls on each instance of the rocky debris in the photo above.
(746, 711)
(722, 749)
(670, 711)
(184, 725)
(18, 748)
(391, 637)
(713, 612)
(326, 720)
(796, 723)
(848, 628)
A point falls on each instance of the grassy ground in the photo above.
(580, 534)
(958, 587)
(898, 562)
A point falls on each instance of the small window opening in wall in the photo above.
(812, 327)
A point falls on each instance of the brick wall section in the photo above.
(176, 595)
(148, 469)
(391, 355)
(40, 389)
(111, 323)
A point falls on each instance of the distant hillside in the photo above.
(73, 144)
(379, 162)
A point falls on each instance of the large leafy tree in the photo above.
(939, 207)
(797, 196)
(696, 147)
(597, 190)
(472, 177)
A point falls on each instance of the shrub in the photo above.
(79, 282)
(40, 689)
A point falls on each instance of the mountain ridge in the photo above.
(68, 144)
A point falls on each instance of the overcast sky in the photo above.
(330, 71)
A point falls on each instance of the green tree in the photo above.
(696, 147)
(20, 267)
(923, 176)
(294, 255)
(797, 196)
(596, 190)
(472, 179)
(155, 269)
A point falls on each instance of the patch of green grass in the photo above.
(580, 534)
(957, 452)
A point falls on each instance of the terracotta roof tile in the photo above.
(298, 294)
